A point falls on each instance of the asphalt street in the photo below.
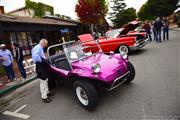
(154, 93)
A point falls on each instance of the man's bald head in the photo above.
(43, 43)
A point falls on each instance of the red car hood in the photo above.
(130, 26)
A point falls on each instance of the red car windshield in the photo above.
(114, 33)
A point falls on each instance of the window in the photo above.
(23, 42)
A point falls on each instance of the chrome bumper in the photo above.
(118, 81)
(139, 45)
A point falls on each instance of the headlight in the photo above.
(96, 68)
(124, 55)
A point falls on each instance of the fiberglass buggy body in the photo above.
(89, 71)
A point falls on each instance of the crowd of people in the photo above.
(158, 27)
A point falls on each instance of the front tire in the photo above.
(132, 73)
(86, 94)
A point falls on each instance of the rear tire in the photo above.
(132, 73)
(86, 94)
(123, 48)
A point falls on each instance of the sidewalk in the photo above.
(175, 28)
(6, 88)
(13, 93)
(10, 91)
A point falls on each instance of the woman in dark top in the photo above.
(147, 28)
(19, 59)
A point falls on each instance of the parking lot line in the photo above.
(16, 114)
(20, 108)
(19, 115)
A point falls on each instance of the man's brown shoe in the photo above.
(50, 94)
(47, 100)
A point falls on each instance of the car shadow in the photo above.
(138, 52)
(116, 97)
(111, 98)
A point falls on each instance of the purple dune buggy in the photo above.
(89, 72)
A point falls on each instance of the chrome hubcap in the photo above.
(123, 49)
(81, 94)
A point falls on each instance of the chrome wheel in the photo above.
(86, 94)
(123, 49)
(82, 96)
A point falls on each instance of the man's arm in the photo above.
(36, 55)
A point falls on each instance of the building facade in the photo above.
(28, 31)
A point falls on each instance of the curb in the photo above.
(14, 87)
(174, 29)
(13, 94)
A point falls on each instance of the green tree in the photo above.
(118, 6)
(120, 14)
(157, 8)
(145, 14)
(124, 17)
(39, 8)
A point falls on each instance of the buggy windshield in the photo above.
(73, 50)
(76, 51)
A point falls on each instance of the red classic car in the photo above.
(126, 39)
(133, 29)
(130, 29)
(113, 43)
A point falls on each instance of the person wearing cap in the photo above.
(39, 58)
(19, 59)
(7, 62)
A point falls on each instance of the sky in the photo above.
(62, 7)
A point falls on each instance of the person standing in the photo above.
(165, 29)
(19, 59)
(7, 62)
(39, 58)
(147, 28)
(154, 32)
(157, 26)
